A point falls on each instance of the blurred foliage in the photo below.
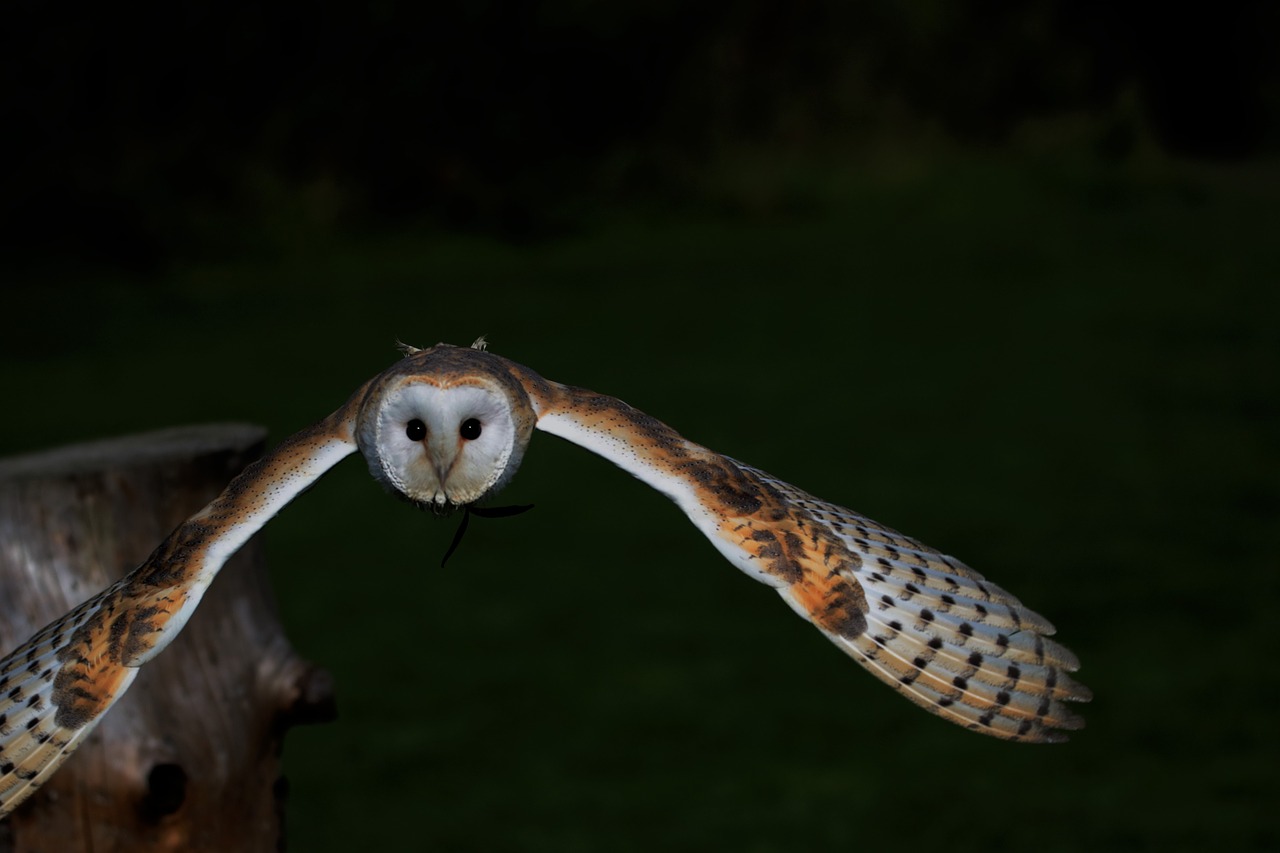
(156, 131)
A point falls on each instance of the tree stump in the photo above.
(189, 758)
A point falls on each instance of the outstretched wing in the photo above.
(920, 621)
(948, 639)
(59, 684)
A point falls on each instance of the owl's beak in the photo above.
(442, 453)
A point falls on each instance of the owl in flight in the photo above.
(446, 427)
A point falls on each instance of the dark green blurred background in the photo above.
(1002, 276)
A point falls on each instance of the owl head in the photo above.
(445, 427)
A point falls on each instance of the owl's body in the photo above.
(446, 427)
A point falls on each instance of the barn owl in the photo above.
(446, 427)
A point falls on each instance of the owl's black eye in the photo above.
(470, 429)
(416, 430)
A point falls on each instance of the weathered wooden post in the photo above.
(189, 759)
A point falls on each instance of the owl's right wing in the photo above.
(56, 688)
(920, 621)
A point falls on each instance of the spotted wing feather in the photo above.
(36, 733)
(57, 687)
(920, 621)
(948, 639)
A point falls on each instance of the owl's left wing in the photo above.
(56, 688)
(920, 621)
